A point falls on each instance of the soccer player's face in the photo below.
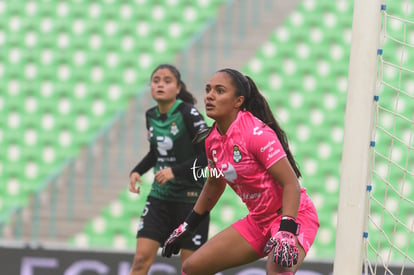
(164, 86)
(220, 99)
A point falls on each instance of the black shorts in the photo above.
(159, 219)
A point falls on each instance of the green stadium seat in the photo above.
(13, 186)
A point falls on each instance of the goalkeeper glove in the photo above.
(285, 251)
(173, 244)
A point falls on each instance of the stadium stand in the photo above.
(76, 75)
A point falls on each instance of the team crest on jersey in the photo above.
(174, 128)
(237, 157)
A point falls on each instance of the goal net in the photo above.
(389, 241)
(376, 201)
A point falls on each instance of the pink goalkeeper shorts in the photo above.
(258, 236)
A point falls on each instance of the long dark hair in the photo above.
(184, 94)
(255, 103)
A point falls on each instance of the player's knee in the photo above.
(188, 267)
(141, 263)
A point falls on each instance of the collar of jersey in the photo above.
(232, 125)
(171, 110)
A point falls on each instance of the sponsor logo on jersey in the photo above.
(197, 239)
(229, 172)
(200, 124)
(257, 131)
(194, 112)
(192, 194)
(164, 143)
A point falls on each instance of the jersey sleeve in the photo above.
(193, 119)
(265, 146)
(146, 163)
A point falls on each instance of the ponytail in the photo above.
(258, 106)
(185, 95)
(255, 103)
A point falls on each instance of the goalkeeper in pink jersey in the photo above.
(247, 149)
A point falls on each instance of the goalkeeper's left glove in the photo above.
(285, 251)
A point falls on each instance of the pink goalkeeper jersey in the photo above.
(243, 156)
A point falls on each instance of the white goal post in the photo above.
(355, 172)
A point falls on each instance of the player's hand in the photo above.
(134, 178)
(283, 243)
(285, 251)
(173, 244)
(164, 175)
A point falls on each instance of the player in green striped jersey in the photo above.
(171, 126)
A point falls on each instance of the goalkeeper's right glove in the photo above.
(173, 244)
